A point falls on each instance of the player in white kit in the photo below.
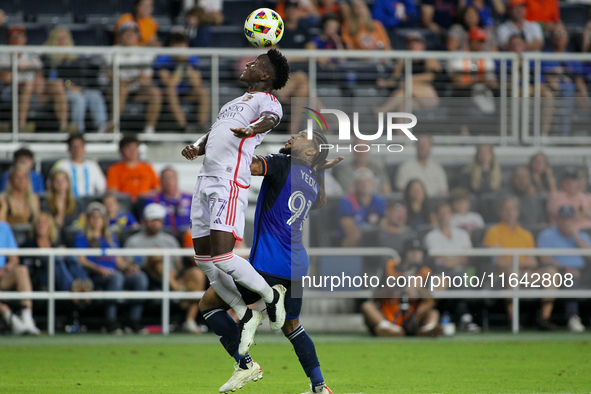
(220, 199)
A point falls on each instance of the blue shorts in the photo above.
(293, 302)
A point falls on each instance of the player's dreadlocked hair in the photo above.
(280, 66)
(321, 155)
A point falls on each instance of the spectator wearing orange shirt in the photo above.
(360, 31)
(131, 175)
(142, 16)
(546, 12)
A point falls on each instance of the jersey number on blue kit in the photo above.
(299, 208)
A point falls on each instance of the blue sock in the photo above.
(304, 348)
(229, 333)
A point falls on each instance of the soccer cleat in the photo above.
(575, 325)
(242, 376)
(191, 327)
(325, 390)
(29, 324)
(276, 310)
(16, 324)
(248, 330)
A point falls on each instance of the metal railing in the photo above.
(51, 295)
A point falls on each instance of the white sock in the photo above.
(6, 315)
(223, 284)
(149, 130)
(245, 274)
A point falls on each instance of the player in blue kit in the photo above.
(293, 185)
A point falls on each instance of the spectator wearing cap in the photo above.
(404, 311)
(509, 234)
(423, 168)
(176, 203)
(424, 72)
(571, 193)
(146, 24)
(564, 235)
(360, 31)
(517, 24)
(86, 176)
(135, 75)
(468, 18)
(181, 278)
(180, 79)
(25, 158)
(360, 209)
(396, 14)
(565, 78)
(130, 175)
(462, 216)
(109, 272)
(31, 83)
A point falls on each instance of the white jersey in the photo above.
(227, 156)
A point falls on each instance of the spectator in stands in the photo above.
(197, 28)
(361, 208)
(130, 175)
(363, 159)
(118, 220)
(565, 79)
(360, 31)
(61, 203)
(424, 72)
(509, 234)
(410, 311)
(108, 272)
(20, 203)
(393, 230)
(532, 208)
(417, 204)
(14, 276)
(135, 77)
(72, 69)
(142, 18)
(180, 78)
(571, 193)
(69, 274)
(484, 174)
(542, 176)
(438, 15)
(469, 17)
(328, 39)
(31, 84)
(296, 33)
(86, 175)
(335, 7)
(486, 9)
(181, 278)
(430, 173)
(475, 76)
(213, 9)
(25, 158)
(546, 12)
(462, 216)
(564, 235)
(177, 204)
(517, 25)
(396, 14)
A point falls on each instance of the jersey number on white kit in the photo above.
(299, 207)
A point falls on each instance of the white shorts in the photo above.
(218, 204)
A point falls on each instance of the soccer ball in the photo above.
(263, 27)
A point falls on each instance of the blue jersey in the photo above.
(288, 192)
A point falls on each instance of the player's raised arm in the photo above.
(191, 152)
(257, 167)
(265, 123)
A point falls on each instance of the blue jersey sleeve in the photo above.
(275, 166)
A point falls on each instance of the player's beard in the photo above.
(285, 151)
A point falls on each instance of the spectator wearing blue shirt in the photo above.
(117, 220)
(565, 79)
(564, 235)
(179, 77)
(487, 15)
(396, 13)
(361, 209)
(197, 28)
(109, 272)
(14, 276)
(176, 203)
(24, 157)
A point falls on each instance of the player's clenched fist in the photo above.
(191, 152)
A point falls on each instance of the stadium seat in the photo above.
(236, 11)
(97, 12)
(21, 232)
(5, 164)
(68, 235)
(574, 14)
(227, 37)
(10, 7)
(85, 35)
(43, 11)
(105, 163)
(46, 166)
(488, 206)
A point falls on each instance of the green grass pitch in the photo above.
(485, 363)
